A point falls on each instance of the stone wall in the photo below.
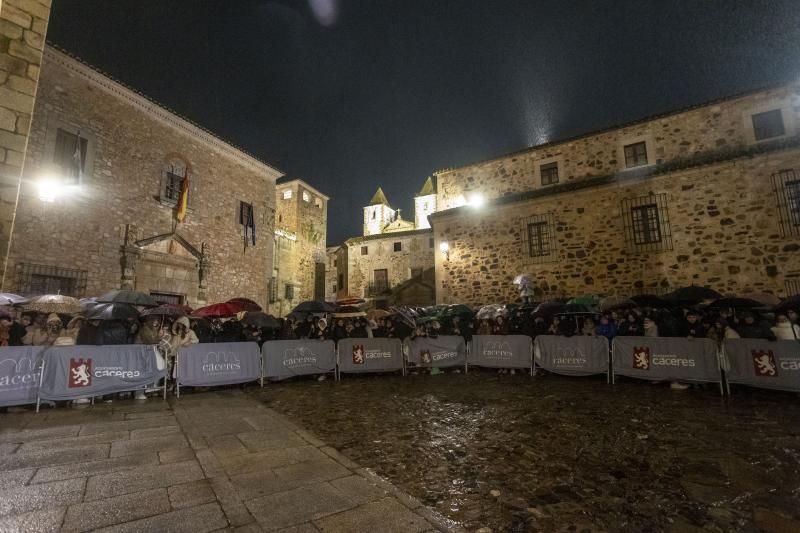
(723, 218)
(416, 253)
(720, 129)
(118, 204)
(331, 274)
(23, 26)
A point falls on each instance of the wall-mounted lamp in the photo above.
(476, 200)
(49, 189)
(444, 247)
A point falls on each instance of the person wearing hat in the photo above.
(47, 335)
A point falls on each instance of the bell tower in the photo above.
(424, 204)
(378, 214)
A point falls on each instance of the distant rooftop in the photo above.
(379, 198)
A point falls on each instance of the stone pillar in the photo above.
(23, 25)
(203, 266)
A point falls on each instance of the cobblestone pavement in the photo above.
(217, 461)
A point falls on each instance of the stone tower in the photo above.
(378, 214)
(424, 204)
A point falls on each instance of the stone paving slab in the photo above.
(101, 513)
(218, 461)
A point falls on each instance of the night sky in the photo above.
(352, 94)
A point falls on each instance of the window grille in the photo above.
(33, 279)
(289, 291)
(167, 297)
(549, 173)
(636, 155)
(538, 239)
(792, 287)
(646, 221)
(398, 247)
(245, 213)
(68, 158)
(172, 184)
(768, 125)
(786, 185)
(364, 250)
(287, 194)
(273, 290)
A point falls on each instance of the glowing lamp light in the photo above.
(444, 247)
(49, 189)
(476, 200)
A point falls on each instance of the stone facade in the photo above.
(723, 209)
(390, 260)
(113, 223)
(23, 26)
(301, 228)
(331, 274)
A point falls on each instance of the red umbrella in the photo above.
(351, 300)
(246, 303)
(226, 309)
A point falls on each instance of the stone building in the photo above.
(103, 172)
(301, 227)
(391, 251)
(331, 273)
(23, 26)
(708, 196)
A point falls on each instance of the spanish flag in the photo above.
(183, 199)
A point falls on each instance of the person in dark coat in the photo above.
(113, 332)
(305, 328)
(631, 326)
(750, 329)
(691, 327)
(359, 330)
(89, 334)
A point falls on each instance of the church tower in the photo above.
(378, 214)
(424, 204)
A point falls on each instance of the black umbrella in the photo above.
(789, 303)
(735, 303)
(116, 311)
(260, 320)
(123, 296)
(549, 309)
(693, 294)
(651, 300)
(616, 302)
(314, 307)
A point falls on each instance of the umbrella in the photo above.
(375, 314)
(124, 296)
(246, 304)
(406, 316)
(548, 309)
(491, 311)
(789, 303)
(260, 320)
(693, 294)
(522, 279)
(54, 303)
(351, 300)
(456, 310)
(117, 311)
(765, 298)
(587, 300)
(651, 300)
(616, 302)
(348, 311)
(314, 307)
(226, 309)
(735, 303)
(7, 298)
(174, 310)
(577, 309)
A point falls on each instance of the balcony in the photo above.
(378, 289)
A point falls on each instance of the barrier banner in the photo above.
(72, 372)
(438, 352)
(370, 355)
(284, 359)
(501, 351)
(764, 364)
(19, 374)
(221, 363)
(571, 356)
(666, 359)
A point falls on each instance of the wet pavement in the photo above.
(515, 453)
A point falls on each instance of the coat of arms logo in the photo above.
(80, 373)
(425, 357)
(764, 363)
(358, 354)
(641, 358)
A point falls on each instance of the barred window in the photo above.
(289, 291)
(287, 194)
(364, 250)
(167, 297)
(32, 279)
(768, 125)
(245, 213)
(67, 156)
(635, 155)
(549, 173)
(398, 247)
(538, 238)
(786, 185)
(172, 182)
(792, 287)
(646, 220)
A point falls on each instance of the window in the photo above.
(646, 221)
(287, 194)
(430, 242)
(318, 202)
(646, 228)
(167, 297)
(273, 290)
(549, 173)
(768, 125)
(373, 214)
(364, 250)
(786, 185)
(45, 279)
(381, 281)
(289, 291)
(538, 242)
(306, 196)
(792, 287)
(341, 281)
(635, 155)
(70, 160)
(538, 238)
(335, 263)
(172, 182)
(398, 247)
(245, 213)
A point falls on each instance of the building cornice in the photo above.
(154, 110)
(388, 236)
(283, 183)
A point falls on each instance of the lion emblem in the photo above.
(358, 354)
(641, 358)
(764, 363)
(425, 357)
(80, 373)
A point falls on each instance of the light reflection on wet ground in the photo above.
(566, 453)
